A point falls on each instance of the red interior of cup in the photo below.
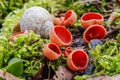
(54, 48)
(63, 34)
(91, 15)
(15, 35)
(18, 33)
(79, 59)
(68, 14)
(95, 32)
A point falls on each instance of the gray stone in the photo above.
(37, 19)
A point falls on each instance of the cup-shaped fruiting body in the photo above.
(61, 20)
(67, 51)
(77, 60)
(60, 36)
(15, 35)
(51, 51)
(57, 21)
(70, 18)
(91, 18)
(94, 32)
(37, 19)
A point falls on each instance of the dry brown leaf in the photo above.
(63, 74)
(105, 77)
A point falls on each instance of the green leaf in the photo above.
(84, 77)
(1, 78)
(15, 66)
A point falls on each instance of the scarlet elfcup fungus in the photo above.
(91, 18)
(60, 36)
(15, 35)
(77, 60)
(57, 21)
(51, 51)
(61, 19)
(67, 51)
(94, 32)
(70, 18)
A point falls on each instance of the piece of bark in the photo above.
(7, 76)
(63, 73)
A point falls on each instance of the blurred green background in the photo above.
(79, 6)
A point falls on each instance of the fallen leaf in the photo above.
(105, 77)
(63, 73)
(7, 76)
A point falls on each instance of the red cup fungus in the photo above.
(94, 32)
(60, 36)
(91, 18)
(51, 51)
(67, 51)
(77, 60)
(15, 35)
(61, 20)
(70, 18)
(56, 20)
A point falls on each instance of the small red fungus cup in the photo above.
(91, 18)
(77, 60)
(67, 51)
(70, 18)
(94, 32)
(15, 35)
(60, 36)
(56, 20)
(51, 51)
(61, 20)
